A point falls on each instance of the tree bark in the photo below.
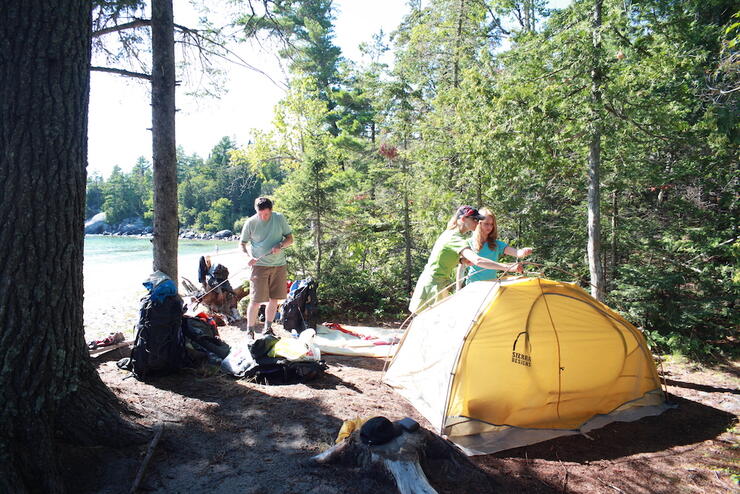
(407, 229)
(615, 242)
(458, 44)
(594, 161)
(164, 154)
(318, 198)
(407, 233)
(44, 367)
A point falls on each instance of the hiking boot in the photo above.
(252, 331)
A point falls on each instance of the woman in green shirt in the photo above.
(439, 272)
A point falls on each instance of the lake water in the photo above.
(115, 268)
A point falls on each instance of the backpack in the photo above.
(300, 310)
(218, 276)
(282, 371)
(277, 370)
(203, 338)
(213, 275)
(159, 346)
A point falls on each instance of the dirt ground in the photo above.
(223, 435)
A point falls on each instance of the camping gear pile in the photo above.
(166, 341)
(508, 363)
(272, 360)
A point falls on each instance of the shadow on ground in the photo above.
(689, 423)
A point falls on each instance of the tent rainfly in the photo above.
(504, 364)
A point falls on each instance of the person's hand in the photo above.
(524, 252)
(275, 249)
(465, 262)
(517, 267)
(252, 262)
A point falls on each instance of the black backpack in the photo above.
(277, 370)
(202, 337)
(215, 276)
(159, 347)
(300, 310)
(287, 371)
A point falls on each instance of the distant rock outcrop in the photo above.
(131, 226)
(223, 234)
(96, 224)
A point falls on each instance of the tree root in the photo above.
(93, 416)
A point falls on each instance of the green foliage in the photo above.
(214, 193)
(218, 216)
(94, 196)
(358, 295)
(238, 225)
(126, 195)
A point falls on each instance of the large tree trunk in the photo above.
(164, 155)
(44, 368)
(594, 162)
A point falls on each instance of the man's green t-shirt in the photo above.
(264, 235)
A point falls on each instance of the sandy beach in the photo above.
(113, 286)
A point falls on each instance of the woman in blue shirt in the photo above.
(486, 244)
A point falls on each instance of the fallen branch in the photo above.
(149, 453)
(105, 349)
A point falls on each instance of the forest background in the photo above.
(491, 103)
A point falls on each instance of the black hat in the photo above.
(379, 430)
(469, 212)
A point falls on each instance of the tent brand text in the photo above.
(521, 359)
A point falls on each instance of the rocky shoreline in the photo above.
(136, 227)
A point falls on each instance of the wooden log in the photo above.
(105, 349)
(416, 462)
(409, 477)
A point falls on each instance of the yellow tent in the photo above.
(507, 363)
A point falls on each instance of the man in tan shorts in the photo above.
(263, 239)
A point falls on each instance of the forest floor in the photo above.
(223, 435)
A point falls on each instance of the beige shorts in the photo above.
(268, 282)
